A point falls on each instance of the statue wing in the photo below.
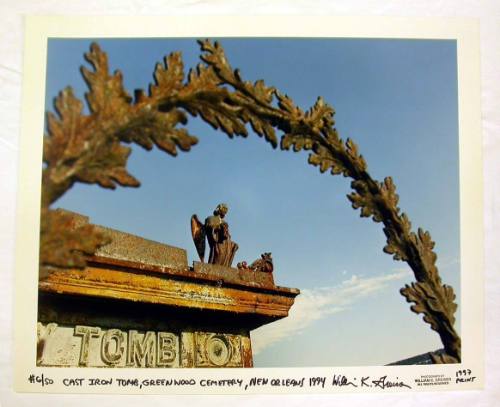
(198, 233)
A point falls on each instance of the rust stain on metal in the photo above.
(131, 248)
(124, 246)
(247, 351)
(234, 275)
(141, 273)
(126, 285)
(200, 272)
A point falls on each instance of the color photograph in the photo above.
(250, 202)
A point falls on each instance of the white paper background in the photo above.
(11, 51)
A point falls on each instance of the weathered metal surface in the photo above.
(265, 264)
(200, 271)
(235, 275)
(71, 310)
(216, 230)
(118, 284)
(66, 239)
(93, 346)
(78, 219)
(246, 350)
(217, 350)
(125, 246)
(138, 304)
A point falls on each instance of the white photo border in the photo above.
(40, 29)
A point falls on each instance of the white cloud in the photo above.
(318, 303)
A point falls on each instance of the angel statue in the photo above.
(216, 230)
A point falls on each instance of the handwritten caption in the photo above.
(248, 384)
(41, 380)
(464, 376)
(334, 381)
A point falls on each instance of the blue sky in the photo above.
(396, 98)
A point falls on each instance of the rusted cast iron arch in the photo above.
(89, 148)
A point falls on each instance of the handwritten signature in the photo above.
(382, 382)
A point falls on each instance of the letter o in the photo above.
(108, 357)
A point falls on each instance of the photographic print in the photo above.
(221, 201)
